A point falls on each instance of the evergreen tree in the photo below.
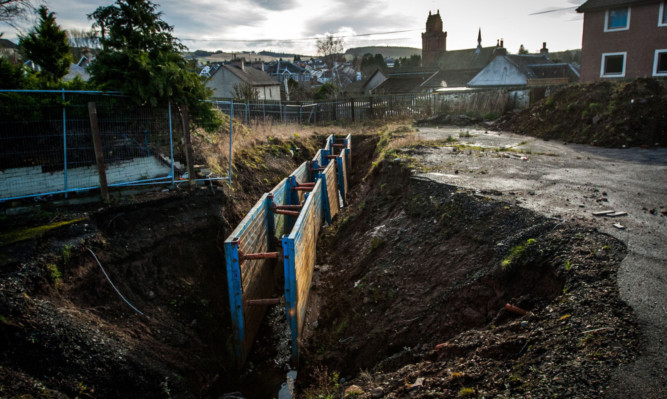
(522, 50)
(11, 77)
(47, 45)
(141, 58)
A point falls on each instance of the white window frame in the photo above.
(655, 62)
(606, 21)
(661, 14)
(616, 75)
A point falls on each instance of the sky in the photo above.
(293, 26)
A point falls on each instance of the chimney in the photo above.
(258, 65)
(544, 51)
(238, 62)
(500, 49)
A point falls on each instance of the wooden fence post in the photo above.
(189, 152)
(99, 155)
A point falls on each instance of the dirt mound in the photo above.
(417, 275)
(609, 114)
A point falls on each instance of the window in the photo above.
(660, 63)
(617, 19)
(613, 65)
(662, 16)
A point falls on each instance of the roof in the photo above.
(250, 75)
(591, 5)
(551, 71)
(281, 67)
(409, 82)
(466, 59)
(4, 43)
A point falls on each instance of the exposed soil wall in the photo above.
(413, 264)
(609, 114)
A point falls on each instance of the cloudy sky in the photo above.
(294, 25)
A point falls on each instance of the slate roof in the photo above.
(535, 66)
(250, 75)
(281, 66)
(466, 59)
(550, 71)
(602, 4)
(408, 82)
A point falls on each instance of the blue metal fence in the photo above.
(46, 145)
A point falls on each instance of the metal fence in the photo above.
(46, 143)
(341, 111)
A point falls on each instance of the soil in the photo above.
(409, 296)
(65, 330)
(608, 114)
(422, 272)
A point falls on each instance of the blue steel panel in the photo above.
(341, 177)
(235, 298)
(290, 294)
(326, 207)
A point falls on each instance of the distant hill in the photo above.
(394, 52)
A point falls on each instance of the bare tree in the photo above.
(330, 48)
(245, 92)
(83, 38)
(14, 9)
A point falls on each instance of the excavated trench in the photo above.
(407, 265)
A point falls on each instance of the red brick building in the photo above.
(623, 39)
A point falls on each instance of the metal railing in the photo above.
(46, 143)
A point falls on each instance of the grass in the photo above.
(515, 254)
(466, 392)
(32, 232)
(54, 275)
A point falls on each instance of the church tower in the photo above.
(434, 40)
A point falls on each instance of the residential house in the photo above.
(522, 70)
(223, 78)
(283, 70)
(623, 39)
(9, 50)
(79, 69)
(362, 88)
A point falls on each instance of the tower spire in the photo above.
(479, 42)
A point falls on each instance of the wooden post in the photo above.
(99, 155)
(189, 153)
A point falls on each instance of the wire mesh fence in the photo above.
(46, 144)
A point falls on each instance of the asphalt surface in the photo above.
(570, 182)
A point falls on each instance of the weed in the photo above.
(565, 317)
(570, 107)
(523, 143)
(54, 275)
(549, 101)
(325, 386)
(465, 134)
(451, 139)
(455, 376)
(66, 253)
(516, 253)
(466, 392)
(568, 265)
